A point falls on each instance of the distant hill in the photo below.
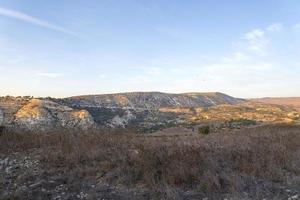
(151, 100)
(142, 110)
(113, 110)
(285, 101)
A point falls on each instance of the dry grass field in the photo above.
(253, 163)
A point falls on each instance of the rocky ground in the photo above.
(24, 177)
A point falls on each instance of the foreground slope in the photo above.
(253, 163)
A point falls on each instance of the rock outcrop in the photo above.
(122, 121)
(44, 114)
(10, 105)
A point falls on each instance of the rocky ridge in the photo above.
(106, 110)
(142, 110)
(151, 100)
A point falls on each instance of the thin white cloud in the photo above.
(50, 75)
(247, 66)
(32, 20)
(275, 27)
(254, 35)
(296, 26)
(256, 41)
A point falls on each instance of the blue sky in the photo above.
(70, 47)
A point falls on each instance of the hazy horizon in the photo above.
(69, 48)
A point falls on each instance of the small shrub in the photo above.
(205, 130)
(2, 128)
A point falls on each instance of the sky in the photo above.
(63, 48)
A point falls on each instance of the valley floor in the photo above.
(250, 163)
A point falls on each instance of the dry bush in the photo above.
(226, 162)
(205, 130)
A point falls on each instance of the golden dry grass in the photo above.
(225, 162)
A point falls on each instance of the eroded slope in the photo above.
(46, 114)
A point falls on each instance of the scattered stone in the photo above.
(5, 161)
(38, 184)
(82, 195)
(295, 196)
